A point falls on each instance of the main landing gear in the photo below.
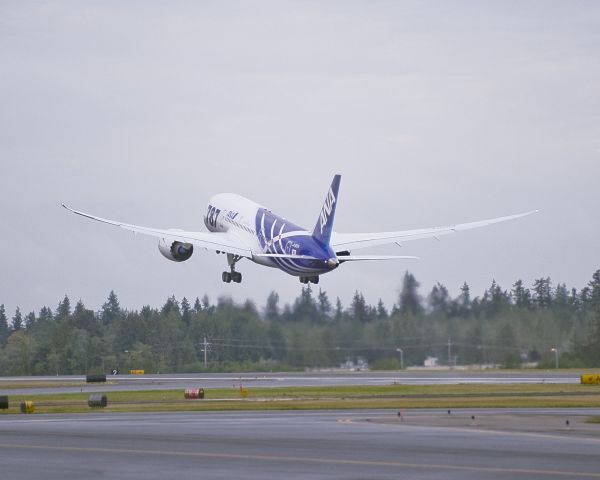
(233, 276)
(314, 279)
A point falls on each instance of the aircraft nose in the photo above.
(333, 262)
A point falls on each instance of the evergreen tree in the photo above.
(30, 320)
(381, 310)
(494, 299)
(594, 289)
(4, 331)
(561, 296)
(409, 301)
(250, 306)
(585, 298)
(272, 307)
(79, 308)
(64, 308)
(205, 302)
(17, 321)
(464, 300)
(172, 305)
(339, 310)
(542, 288)
(323, 305)
(206, 306)
(45, 314)
(521, 295)
(359, 307)
(85, 319)
(186, 311)
(305, 308)
(439, 299)
(197, 306)
(111, 309)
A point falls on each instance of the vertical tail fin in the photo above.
(324, 226)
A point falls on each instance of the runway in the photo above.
(302, 445)
(220, 380)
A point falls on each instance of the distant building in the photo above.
(360, 364)
(430, 362)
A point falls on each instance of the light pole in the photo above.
(398, 349)
(205, 347)
(555, 350)
(128, 358)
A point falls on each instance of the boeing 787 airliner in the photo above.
(241, 228)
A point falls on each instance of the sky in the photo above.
(434, 113)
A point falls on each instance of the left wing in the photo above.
(220, 241)
(354, 241)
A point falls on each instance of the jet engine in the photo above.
(175, 251)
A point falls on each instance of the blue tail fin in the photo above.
(324, 226)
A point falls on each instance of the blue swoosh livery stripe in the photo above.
(277, 235)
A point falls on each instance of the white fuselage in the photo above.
(265, 232)
(232, 213)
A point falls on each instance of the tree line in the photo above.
(503, 327)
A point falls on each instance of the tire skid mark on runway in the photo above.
(474, 429)
(314, 460)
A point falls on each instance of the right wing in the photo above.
(220, 241)
(354, 241)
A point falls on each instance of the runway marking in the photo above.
(353, 379)
(315, 460)
(161, 418)
(566, 435)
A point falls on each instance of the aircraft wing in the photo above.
(354, 241)
(220, 241)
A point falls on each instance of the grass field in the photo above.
(346, 397)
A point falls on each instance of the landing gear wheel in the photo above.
(314, 279)
(234, 276)
(304, 279)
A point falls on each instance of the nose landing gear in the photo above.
(233, 276)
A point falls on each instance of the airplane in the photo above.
(241, 228)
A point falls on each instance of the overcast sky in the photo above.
(433, 112)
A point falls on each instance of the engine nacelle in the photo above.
(175, 251)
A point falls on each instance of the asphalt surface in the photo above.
(302, 445)
(219, 380)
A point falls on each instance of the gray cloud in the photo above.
(433, 114)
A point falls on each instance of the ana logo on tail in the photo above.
(327, 206)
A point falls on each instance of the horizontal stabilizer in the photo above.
(361, 258)
(285, 255)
